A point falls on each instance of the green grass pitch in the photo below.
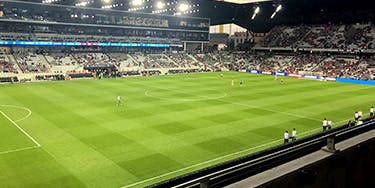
(72, 134)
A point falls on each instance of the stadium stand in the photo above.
(57, 40)
(328, 36)
(6, 66)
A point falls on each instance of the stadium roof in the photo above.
(243, 1)
(225, 11)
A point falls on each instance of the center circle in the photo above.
(186, 94)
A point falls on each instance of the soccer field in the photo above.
(72, 134)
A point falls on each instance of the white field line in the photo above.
(147, 93)
(240, 104)
(213, 160)
(232, 154)
(19, 107)
(23, 131)
(21, 149)
(275, 111)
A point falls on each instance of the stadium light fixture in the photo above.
(106, 1)
(256, 11)
(50, 1)
(137, 3)
(183, 7)
(279, 8)
(82, 4)
(160, 5)
(273, 15)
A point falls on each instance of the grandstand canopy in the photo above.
(243, 1)
(293, 12)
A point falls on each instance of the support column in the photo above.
(331, 144)
(204, 183)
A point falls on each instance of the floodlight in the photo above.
(137, 2)
(257, 10)
(273, 15)
(106, 1)
(279, 8)
(160, 5)
(183, 7)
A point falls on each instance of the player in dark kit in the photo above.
(282, 81)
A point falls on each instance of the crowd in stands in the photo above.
(284, 36)
(61, 59)
(328, 36)
(6, 66)
(184, 60)
(213, 61)
(345, 68)
(304, 62)
(30, 62)
(348, 66)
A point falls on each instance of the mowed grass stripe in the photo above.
(12, 137)
(73, 148)
(97, 144)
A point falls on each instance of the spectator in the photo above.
(286, 137)
(325, 123)
(356, 116)
(329, 124)
(294, 135)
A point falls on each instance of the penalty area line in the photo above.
(20, 149)
(19, 107)
(23, 131)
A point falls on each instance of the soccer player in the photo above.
(372, 112)
(118, 100)
(294, 135)
(221, 75)
(275, 76)
(282, 81)
(325, 122)
(241, 82)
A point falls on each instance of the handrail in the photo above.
(224, 173)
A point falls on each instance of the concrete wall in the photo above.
(353, 167)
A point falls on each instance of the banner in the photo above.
(311, 77)
(327, 79)
(279, 73)
(352, 81)
(295, 75)
(254, 71)
(111, 44)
